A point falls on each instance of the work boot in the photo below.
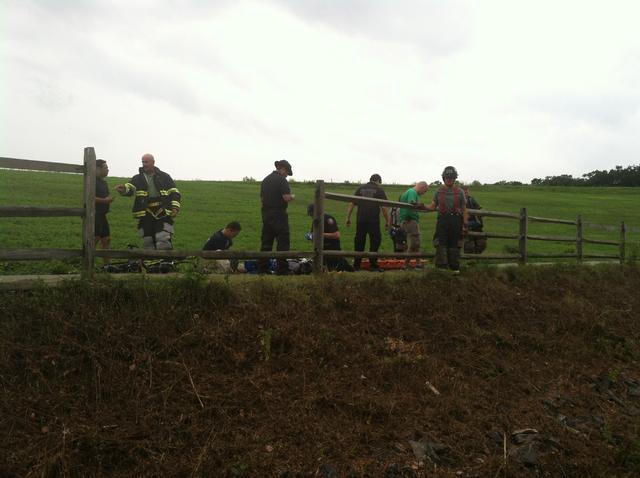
(453, 257)
(441, 257)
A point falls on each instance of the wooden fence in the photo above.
(88, 252)
(522, 236)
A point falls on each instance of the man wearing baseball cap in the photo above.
(275, 195)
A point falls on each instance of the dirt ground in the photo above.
(492, 373)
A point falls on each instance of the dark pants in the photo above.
(275, 226)
(156, 233)
(338, 264)
(448, 240)
(375, 238)
(102, 225)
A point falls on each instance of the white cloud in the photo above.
(502, 89)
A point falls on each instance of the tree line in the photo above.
(629, 176)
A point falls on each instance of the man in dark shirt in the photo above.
(330, 242)
(368, 220)
(275, 195)
(103, 200)
(221, 240)
(474, 244)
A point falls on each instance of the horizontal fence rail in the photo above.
(30, 165)
(39, 254)
(87, 252)
(33, 211)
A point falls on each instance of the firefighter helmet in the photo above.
(450, 171)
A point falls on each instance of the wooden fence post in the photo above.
(579, 238)
(318, 227)
(623, 239)
(524, 230)
(89, 218)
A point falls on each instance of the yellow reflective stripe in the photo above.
(128, 187)
(175, 203)
(163, 192)
(142, 193)
(139, 214)
(168, 212)
(173, 190)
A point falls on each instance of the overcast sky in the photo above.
(502, 89)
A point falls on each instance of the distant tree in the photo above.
(475, 183)
(619, 176)
(248, 179)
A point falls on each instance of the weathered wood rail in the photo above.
(88, 252)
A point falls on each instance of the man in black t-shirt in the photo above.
(275, 195)
(221, 240)
(368, 220)
(330, 242)
(103, 200)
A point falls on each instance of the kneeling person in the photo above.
(222, 240)
(331, 242)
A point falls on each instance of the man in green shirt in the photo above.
(410, 218)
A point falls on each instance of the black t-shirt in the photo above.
(218, 242)
(330, 225)
(369, 212)
(102, 191)
(272, 189)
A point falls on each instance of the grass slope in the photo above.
(208, 205)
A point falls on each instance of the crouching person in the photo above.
(222, 240)
(331, 242)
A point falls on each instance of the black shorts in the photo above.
(102, 226)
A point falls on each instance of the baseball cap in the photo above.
(284, 164)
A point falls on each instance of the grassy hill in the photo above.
(208, 205)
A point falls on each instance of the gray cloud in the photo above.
(433, 26)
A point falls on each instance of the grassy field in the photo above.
(208, 205)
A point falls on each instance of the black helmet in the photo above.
(450, 171)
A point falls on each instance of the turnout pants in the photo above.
(375, 238)
(275, 227)
(156, 233)
(448, 240)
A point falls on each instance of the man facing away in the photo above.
(410, 218)
(452, 221)
(275, 195)
(474, 244)
(368, 220)
(103, 201)
(156, 204)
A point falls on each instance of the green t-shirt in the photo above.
(406, 214)
(151, 188)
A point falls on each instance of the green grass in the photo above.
(209, 205)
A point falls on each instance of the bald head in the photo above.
(148, 163)
(421, 187)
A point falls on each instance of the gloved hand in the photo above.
(309, 236)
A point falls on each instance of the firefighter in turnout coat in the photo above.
(156, 204)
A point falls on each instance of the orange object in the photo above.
(388, 264)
